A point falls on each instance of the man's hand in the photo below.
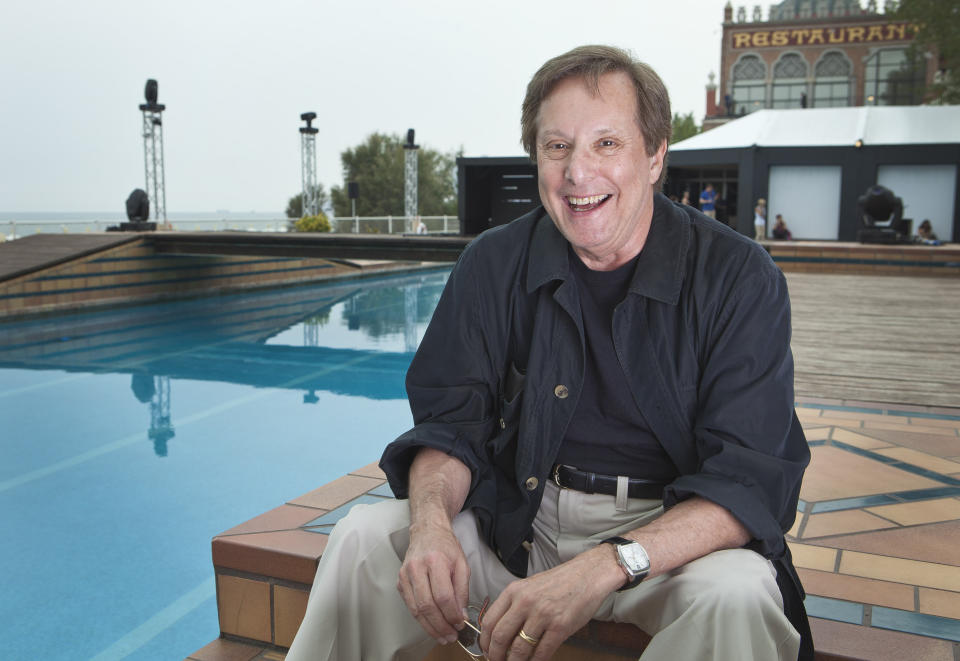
(434, 580)
(550, 606)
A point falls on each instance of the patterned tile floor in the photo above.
(876, 541)
(877, 536)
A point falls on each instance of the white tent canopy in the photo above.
(833, 127)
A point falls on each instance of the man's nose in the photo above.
(581, 165)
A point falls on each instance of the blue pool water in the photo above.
(130, 437)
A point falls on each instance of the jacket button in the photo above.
(503, 425)
(561, 391)
(532, 483)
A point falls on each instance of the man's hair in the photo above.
(590, 63)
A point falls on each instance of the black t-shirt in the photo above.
(608, 433)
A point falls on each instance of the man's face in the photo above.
(596, 179)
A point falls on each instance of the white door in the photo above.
(927, 191)
(808, 197)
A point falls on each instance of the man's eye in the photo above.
(555, 149)
(607, 143)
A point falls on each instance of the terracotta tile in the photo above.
(834, 473)
(225, 650)
(334, 494)
(813, 557)
(921, 459)
(809, 416)
(244, 607)
(924, 511)
(285, 517)
(936, 444)
(900, 570)
(370, 470)
(940, 602)
(289, 606)
(859, 416)
(290, 555)
(817, 433)
(842, 523)
(794, 531)
(933, 542)
(936, 422)
(902, 425)
(271, 655)
(854, 588)
(859, 642)
(858, 440)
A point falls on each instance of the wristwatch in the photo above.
(633, 558)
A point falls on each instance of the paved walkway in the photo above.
(877, 338)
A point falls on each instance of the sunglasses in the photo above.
(469, 636)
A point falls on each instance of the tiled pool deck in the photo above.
(875, 541)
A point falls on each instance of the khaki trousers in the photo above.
(723, 606)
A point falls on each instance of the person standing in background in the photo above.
(760, 220)
(708, 201)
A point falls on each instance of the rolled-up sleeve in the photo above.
(451, 383)
(750, 447)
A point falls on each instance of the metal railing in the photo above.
(15, 229)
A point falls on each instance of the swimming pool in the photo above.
(130, 437)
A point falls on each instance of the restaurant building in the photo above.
(815, 54)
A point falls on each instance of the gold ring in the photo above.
(527, 638)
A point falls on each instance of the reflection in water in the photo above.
(251, 339)
(155, 390)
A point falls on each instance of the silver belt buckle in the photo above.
(556, 476)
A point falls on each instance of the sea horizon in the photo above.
(120, 215)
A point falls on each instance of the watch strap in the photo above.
(632, 581)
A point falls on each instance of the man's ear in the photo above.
(656, 161)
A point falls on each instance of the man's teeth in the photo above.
(583, 201)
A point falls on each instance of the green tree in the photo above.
(938, 28)
(318, 223)
(684, 127)
(295, 203)
(377, 166)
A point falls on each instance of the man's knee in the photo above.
(366, 526)
(735, 580)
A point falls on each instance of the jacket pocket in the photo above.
(502, 446)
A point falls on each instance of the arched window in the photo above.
(749, 84)
(789, 81)
(832, 85)
(892, 79)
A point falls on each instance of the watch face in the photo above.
(634, 558)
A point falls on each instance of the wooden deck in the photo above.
(40, 251)
(890, 339)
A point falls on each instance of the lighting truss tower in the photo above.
(410, 180)
(161, 427)
(153, 150)
(308, 165)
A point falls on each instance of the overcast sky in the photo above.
(235, 77)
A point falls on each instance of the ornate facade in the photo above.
(815, 54)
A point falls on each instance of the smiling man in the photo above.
(604, 424)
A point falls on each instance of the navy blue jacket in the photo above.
(704, 340)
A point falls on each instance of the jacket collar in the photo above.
(660, 267)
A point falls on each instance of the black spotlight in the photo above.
(881, 215)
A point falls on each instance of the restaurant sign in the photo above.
(853, 34)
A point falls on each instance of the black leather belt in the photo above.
(568, 477)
